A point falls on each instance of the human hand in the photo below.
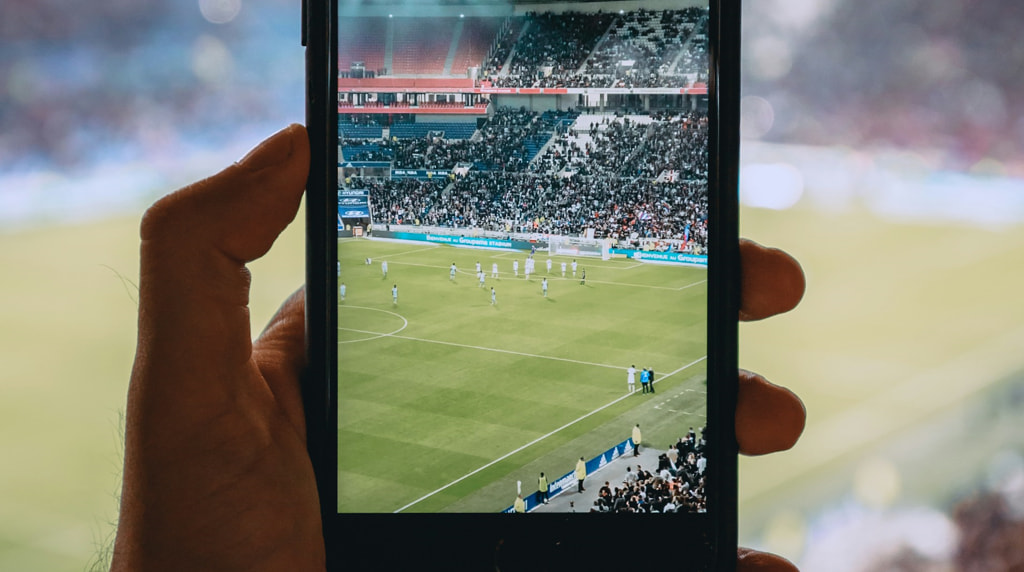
(769, 418)
(217, 475)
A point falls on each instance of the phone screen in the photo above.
(522, 287)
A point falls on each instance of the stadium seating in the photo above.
(619, 185)
(478, 35)
(361, 131)
(361, 40)
(421, 45)
(451, 130)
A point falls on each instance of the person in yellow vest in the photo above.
(520, 505)
(581, 474)
(636, 440)
(542, 489)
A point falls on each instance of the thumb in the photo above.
(194, 287)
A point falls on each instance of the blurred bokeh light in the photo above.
(883, 146)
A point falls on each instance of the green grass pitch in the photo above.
(445, 400)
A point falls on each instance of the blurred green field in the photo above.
(900, 323)
(67, 339)
(444, 383)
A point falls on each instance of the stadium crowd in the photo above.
(627, 179)
(402, 201)
(560, 42)
(653, 41)
(500, 145)
(591, 50)
(677, 485)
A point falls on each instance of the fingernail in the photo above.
(271, 151)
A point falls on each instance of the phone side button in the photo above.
(305, 28)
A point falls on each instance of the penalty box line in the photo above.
(542, 437)
(498, 350)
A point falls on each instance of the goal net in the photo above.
(579, 246)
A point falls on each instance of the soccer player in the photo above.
(341, 291)
(563, 269)
(451, 272)
(339, 269)
(643, 381)
(480, 276)
(529, 267)
(494, 296)
(494, 270)
(549, 266)
(394, 294)
(544, 287)
(631, 378)
(583, 279)
(384, 267)
(478, 266)
(515, 268)
(573, 267)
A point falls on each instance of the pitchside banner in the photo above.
(655, 256)
(419, 173)
(456, 240)
(353, 203)
(568, 481)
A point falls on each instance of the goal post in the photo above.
(579, 246)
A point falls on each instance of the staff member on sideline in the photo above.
(520, 505)
(636, 440)
(542, 489)
(581, 474)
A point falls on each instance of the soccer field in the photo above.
(445, 400)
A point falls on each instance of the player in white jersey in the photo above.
(478, 266)
(515, 268)
(494, 296)
(341, 291)
(384, 267)
(529, 267)
(573, 267)
(563, 270)
(544, 286)
(480, 276)
(631, 378)
(451, 272)
(339, 269)
(549, 266)
(494, 270)
(394, 294)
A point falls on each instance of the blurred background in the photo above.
(883, 147)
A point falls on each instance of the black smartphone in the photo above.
(522, 282)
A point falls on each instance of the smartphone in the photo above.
(522, 282)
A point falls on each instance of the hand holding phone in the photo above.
(177, 512)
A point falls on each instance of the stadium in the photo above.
(522, 225)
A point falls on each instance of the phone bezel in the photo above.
(475, 541)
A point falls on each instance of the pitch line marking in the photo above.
(542, 437)
(692, 285)
(405, 324)
(498, 350)
(411, 251)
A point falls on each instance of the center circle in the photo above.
(368, 331)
